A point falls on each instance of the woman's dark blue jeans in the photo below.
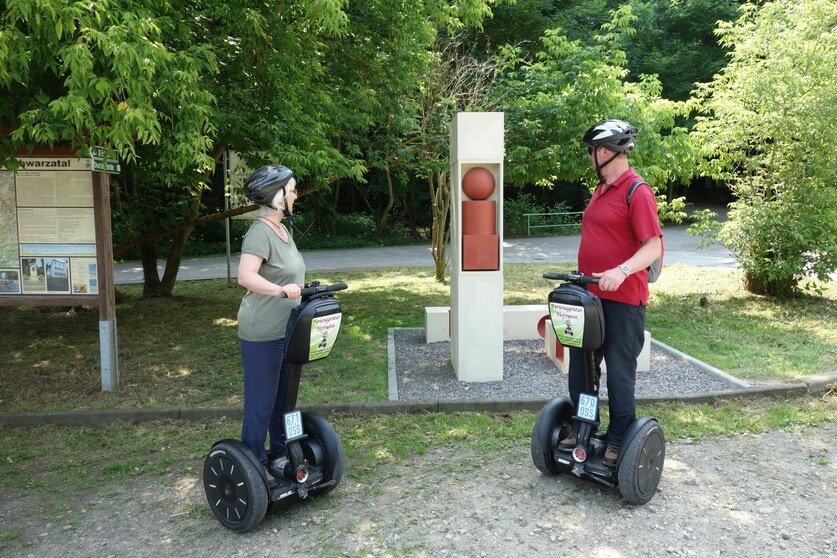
(624, 338)
(265, 386)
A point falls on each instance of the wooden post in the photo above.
(107, 299)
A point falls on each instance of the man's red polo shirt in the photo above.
(611, 233)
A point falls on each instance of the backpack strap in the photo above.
(656, 266)
(632, 189)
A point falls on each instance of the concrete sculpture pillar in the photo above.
(476, 320)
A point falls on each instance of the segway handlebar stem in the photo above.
(574, 277)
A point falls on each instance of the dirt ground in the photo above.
(749, 496)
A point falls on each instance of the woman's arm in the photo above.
(249, 278)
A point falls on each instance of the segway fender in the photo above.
(555, 410)
(641, 461)
(548, 431)
(632, 430)
(323, 448)
(246, 451)
(629, 435)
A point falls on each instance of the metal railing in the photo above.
(530, 226)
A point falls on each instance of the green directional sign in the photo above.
(101, 164)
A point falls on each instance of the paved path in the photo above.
(679, 248)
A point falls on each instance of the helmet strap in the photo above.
(290, 217)
(603, 165)
(273, 204)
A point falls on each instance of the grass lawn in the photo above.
(183, 351)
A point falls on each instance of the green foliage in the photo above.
(355, 231)
(327, 88)
(107, 75)
(675, 40)
(768, 127)
(550, 102)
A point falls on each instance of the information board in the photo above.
(48, 228)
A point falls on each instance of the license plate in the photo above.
(293, 425)
(587, 407)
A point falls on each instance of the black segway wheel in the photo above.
(551, 425)
(322, 448)
(641, 464)
(235, 487)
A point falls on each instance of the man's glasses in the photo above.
(590, 150)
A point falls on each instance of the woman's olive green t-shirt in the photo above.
(262, 317)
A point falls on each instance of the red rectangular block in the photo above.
(480, 252)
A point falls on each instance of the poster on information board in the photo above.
(47, 228)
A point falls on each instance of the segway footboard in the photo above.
(314, 464)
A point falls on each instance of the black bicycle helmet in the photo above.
(615, 135)
(261, 186)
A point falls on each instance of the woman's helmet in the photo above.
(615, 135)
(261, 186)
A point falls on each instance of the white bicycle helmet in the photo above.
(615, 135)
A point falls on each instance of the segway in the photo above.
(236, 484)
(578, 321)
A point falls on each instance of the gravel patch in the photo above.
(424, 372)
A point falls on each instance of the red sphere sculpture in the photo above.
(478, 183)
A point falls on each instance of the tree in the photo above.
(769, 127)
(570, 85)
(92, 74)
(675, 40)
(317, 85)
(455, 81)
(267, 55)
(122, 75)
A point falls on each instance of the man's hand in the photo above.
(611, 279)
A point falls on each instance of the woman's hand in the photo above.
(291, 290)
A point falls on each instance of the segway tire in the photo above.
(641, 464)
(322, 448)
(235, 487)
(552, 424)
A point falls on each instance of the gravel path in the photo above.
(771, 495)
(424, 372)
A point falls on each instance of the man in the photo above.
(618, 242)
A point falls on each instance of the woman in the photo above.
(273, 272)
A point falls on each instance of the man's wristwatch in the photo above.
(625, 269)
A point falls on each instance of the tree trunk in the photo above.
(440, 230)
(176, 249)
(150, 276)
(154, 286)
(384, 215)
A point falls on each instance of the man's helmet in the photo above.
(261, 186)
(615, 135)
